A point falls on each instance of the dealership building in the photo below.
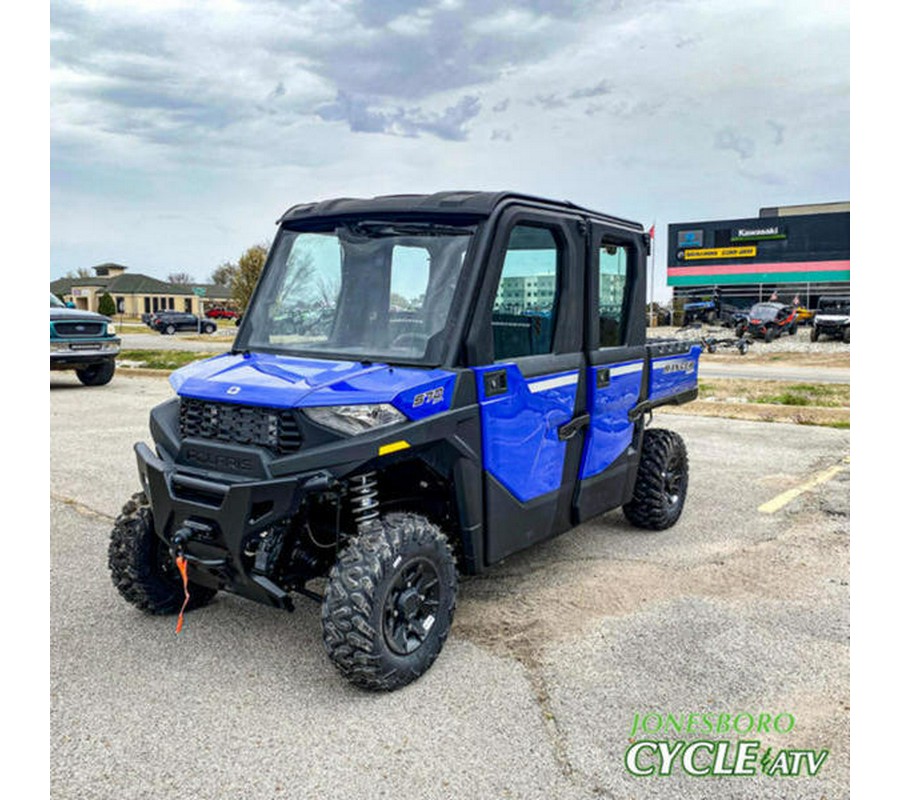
(787, 251)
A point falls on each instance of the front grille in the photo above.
(275, 429)
(80, 328)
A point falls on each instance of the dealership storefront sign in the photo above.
(758, 232)
(719, 252)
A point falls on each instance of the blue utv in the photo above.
(420, 387)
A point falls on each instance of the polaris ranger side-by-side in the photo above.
(420, 385)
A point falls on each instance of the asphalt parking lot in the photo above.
(552, 653)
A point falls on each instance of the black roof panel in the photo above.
(467, 203)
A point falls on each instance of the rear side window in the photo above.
(614, 265)
(523, 318)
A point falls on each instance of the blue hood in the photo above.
(274, 381)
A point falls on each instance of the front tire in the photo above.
(662, 481)
(814, 334)
(389, 603)
(209, 328)
(141, 567)
(97, 374)
(845, 336)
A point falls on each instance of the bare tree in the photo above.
(329, 289)
(180, 278)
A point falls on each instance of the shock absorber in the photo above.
(364, 500)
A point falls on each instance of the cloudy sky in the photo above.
(181, 130)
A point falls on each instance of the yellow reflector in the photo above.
(393, 447)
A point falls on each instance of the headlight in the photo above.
(110, 329)
(355, 419)
(58, 347)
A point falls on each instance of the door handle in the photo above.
(602, 378)
(568, 429)
(495, 383)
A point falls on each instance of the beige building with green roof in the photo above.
(135, 294)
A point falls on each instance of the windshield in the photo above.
(370, 290)
(835, 305)
(764, 311)
(55, 302)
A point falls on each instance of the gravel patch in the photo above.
(799, 343)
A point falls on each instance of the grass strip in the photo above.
(159, 359)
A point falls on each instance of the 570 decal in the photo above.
(430, 397)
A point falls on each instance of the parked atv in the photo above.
(768, 321)
(469, 396)
(832, 319)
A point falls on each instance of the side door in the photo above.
(615, 346)
(530, 378)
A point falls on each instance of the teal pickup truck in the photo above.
(83, 341)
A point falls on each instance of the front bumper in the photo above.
(220, 517)
(73, 354)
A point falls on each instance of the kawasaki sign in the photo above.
(757, 232)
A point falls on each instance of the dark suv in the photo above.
(82, 341)
(169, 322)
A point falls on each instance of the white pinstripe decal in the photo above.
(553, 383)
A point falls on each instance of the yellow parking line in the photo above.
(779, 502)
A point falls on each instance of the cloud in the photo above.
(731, 139)
(183, 73)
(554, 100)
(549, 101)
(183, 104)
(591, 91)
(450, 123)
(778, 129)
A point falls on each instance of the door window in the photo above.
(523, 318)
(613, 265)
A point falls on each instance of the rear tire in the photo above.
(845, 336)
(209, 328)
(97, 374)
(814, 334)
(390, 602)
(792, 330)
(141, 567)
(770, 336)
(662, 481)
(170, 330)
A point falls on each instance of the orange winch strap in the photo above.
(181, 563)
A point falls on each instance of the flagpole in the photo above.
(652, 271)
